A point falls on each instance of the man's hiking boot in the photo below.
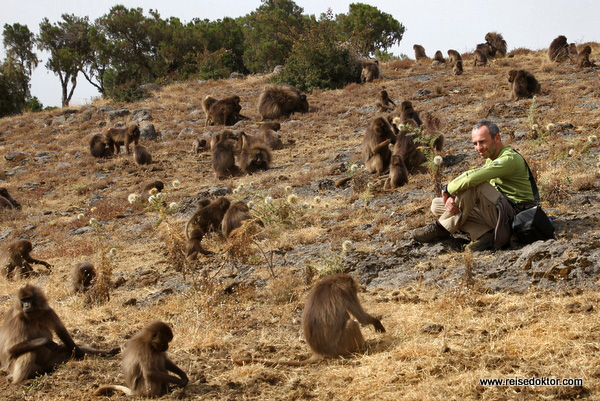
(430, 232)
(483, 243)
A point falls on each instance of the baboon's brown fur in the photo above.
(223, 156)
(522, 84)
(370, 71)
(281, 101)
(583, 58)
(405, 146)
(398, 173)
(7, 201)
(100, 146)
(17, 256)
(419, 52)
(205, 218)
(376, 153)
(159, 185)
(439, 57)
(235, 215)
(82, 276)
(479, 57)
(141, 155)
(384, 103)
(558, 50)
(225, 111)
(496, 40)
(254, 156)
(407, 112)
(123, 136)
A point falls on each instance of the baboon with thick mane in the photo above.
(100, 146)
(225, 111)
(370, 71)
(439, 57)
(223, 155)
(487, 49)
(583, 57)
(235, 215)
(82, 276)
(26, 345)
(522, 84)
(419, 52)
(376, 153)
(254, 156)
(7, 201)
(456, 60)
(141, 155)
(496, 40)
(281, 101)
(122, 136)
(558, 50)
(328, 328)
(206, 218)
(146, 365)
(17, 259)
(384, 103)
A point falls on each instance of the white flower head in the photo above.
(250, 204)
(93, 209)
(571, 152)
(240, 187)
(438, 160)
(326, 205)
(151, 199)
(80, 216)
(133, 198)
(305, 205)
(317, 199)
(268, 200)
(347, 245)
(93, 221)
(369, 184)
(535, 127)
(176, 184)
(592, 138)
(292, 199)
(550, 127)
(353, 167)
(112, 252)
(153, 191)
(173, 206)
(288, 189)
(235, 190)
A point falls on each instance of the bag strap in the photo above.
(534, 188)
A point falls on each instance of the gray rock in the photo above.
(147, 132)
(113, 115)
(141, 115)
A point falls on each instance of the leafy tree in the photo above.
(370, 29)
(270, 33)
(19, 42)
(223, 35)
(12, 94)
(69, 47)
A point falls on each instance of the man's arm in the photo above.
(500, 167)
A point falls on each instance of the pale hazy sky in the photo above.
(435, 24)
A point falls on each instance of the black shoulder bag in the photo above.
(532, 224)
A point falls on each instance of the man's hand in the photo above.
(449, 204)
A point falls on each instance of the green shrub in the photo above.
(128, 92)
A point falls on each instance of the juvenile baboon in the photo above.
(583, 58)
(488, 50)
(7, 201)
(254, 156)
(207, 102)
(572, 50)
(558, 50)
(199, 145)
(204, 219)
(370, 71)
(26, 345)
(407, 112)
(376, 153)
(439, 57)
(328, 328)
(233, 218)
(225, 111)
(158, 185)
(100, 146)
(456, 60)
(479, 57)
(458, 68)
(522, 84)
(405, 146)
(497, 42)
(281, 101)
(141, 155)
(270, 138)
(223, 156)
(146, 365)
(432, 126)
(116, 137)
(384, 102)
(82, 276)
(419, 52)
(398, 173)
(17, 256)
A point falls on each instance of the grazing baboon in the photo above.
(82, 276)
(384, 102)
(270, 126)
(572, 50)
(26, 345)
(370, 71)
(235, 215)
(439, 57)
(270, 138)
(398, 173)
(583, 58)
(458, 68)
(223, 156)
(281, 101)
(204, 219)
(17, 256)
(199, 145)
(117, 137)
(141, 155)
(376, 153)
(479, 57)
(7, 201)
(157, 185)
(146, 365)
(405, 146)
(496, 40)
(207, 103)
(100, 146)
(419, 52)
(488, 50)
(407, 112)
(432, 126)
(253, 156)
(328, 328)
(225, 111)
(456, 60)
(558, 50)
(522, 84)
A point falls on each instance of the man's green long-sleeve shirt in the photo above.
(508, 173)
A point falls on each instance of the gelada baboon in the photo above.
(199, 145)
(522, 84)
(207, 102)
(583, 58)
(407, 112)
(487, 49)
(398, 173)
(117, 137)
(281, 101)
(17, 256)
(225, 111)
(270, 138)
(573, 50)
(205, 218)
(26, 345)
(496, 40)
(384, 103)
(141, 155)
(439, 57)
(235, 215)
(146, 365)
(154, 186)
(100, 146)
(376, 152)
(479, 57)
(456, 60)
(270, 125)
(253, 156)
(405, 146)
(370, 71)
(458, 68)
(431, 127)
(419, 52)
(558, 50)
(7, 201)
(328, 328)
(82, 276)
(223, 156)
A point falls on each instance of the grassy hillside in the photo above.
(247, 299)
